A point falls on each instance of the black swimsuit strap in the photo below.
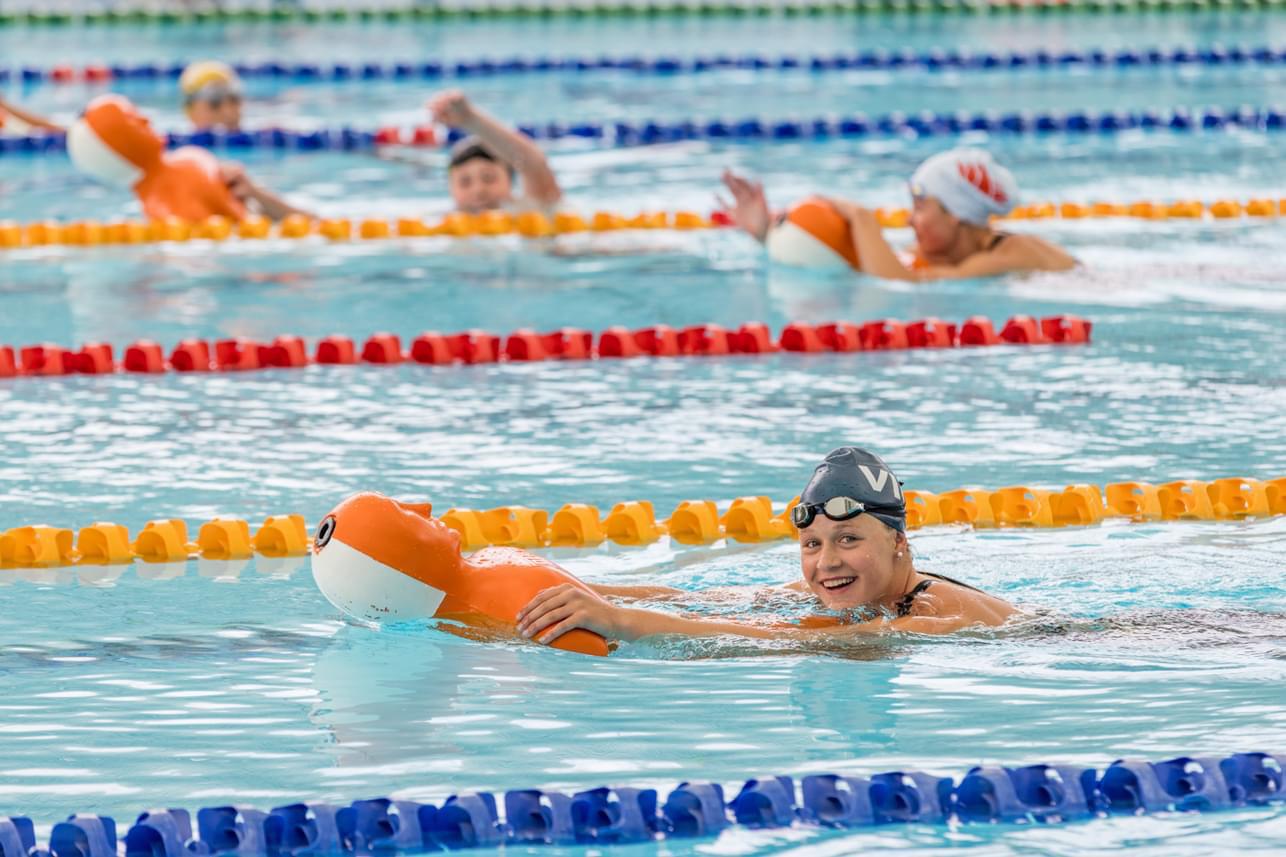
(908, 601)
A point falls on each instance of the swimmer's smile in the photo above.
(835, 584)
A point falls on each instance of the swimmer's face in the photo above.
(223, 113)
(849, 563)
(935, 229)
(479, 185)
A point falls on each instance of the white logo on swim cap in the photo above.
(877, 482)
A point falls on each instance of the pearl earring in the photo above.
(899, 553)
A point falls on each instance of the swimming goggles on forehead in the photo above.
(215, 94)
(838, 509)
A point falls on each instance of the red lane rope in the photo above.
(476, 346)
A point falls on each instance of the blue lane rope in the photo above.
(753, 129)
(872, 60)
(988, 795)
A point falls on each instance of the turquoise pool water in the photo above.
(208, 683)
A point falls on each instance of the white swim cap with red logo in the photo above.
(969, 184)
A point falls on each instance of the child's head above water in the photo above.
(212, 96)
(957, 190)
(852, 530)
(479, 181)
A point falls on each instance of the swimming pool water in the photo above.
(209, 683)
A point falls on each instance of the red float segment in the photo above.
(840, 336)
(388, 136)
(8, 365)
(618, 342)
(144, 356)
(97, 74)
(800, 337)
(474, 346)
(424, 136)
(383, 348)
(431, 348)
(753, 337)
(883, 335)
(45, 360)
(569, 343)
(62, 74)
(525, 345)
(1066, 329)
(1023, 330)
(931, 333)
(978, 330)
(659, 341)
(287, 352)
(191, 355)
(336, 350)
(704, 340)
(96, 358)
(237, 355)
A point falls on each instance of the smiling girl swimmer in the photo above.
(483, 165)
(954, 196)
(854, 557)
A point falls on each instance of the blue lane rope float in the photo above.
(750, 129)
(1038, 793)
(869, 60)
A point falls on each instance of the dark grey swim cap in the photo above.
(472, 147)
(853, 472)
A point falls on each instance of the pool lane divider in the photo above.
(634, 523)
(869, 60)
(606, 10)
(745, 130)
(91, 233)
(1039, 793)
(474, 347)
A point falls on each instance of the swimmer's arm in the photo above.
(518, 149)
(878, 257)
(273, 206)
(30, 118)
(559, 609)
(880, 260)
(636, 623)
(634, 592)
(988, 263)
(251, 194)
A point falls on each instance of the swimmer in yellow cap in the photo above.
(483, 166)
(955, 195)
(212, 96)
(854, 558)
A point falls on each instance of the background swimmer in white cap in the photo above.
(212, 96)
(854, 558)
(483, 166)
(954, 196)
